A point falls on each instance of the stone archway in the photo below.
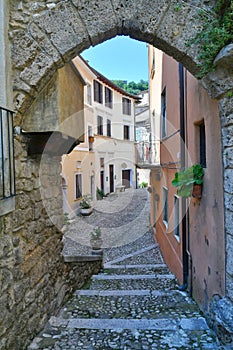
(53, 33)
(45, 35)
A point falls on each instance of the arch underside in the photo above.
(52, 34)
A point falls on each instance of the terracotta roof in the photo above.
(108, 82)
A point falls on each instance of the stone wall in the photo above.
(34, 278)
(44, 35)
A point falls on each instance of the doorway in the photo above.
(126, 174)
(111, 177)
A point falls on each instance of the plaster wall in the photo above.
(207, 237)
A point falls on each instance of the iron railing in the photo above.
(7, 163)
(147, 153)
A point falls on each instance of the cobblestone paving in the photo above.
(134, 303)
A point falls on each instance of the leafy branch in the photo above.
(215, 34)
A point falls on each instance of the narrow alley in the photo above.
(134, 302)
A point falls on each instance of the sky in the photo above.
(119, 58)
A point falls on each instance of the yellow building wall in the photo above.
(71, 102)
(70, 169)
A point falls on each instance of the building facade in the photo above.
(190, 231)
(106, 158)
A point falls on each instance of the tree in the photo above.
(132, 87)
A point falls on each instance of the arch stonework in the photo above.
(47, 34)
(44, 35)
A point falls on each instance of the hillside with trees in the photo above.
(132, 87)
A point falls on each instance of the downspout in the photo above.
(182, 158)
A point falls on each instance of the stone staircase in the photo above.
(134, 303)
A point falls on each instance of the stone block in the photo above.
(225, 57)
(229, 221)
(218, 82)
(228, 158)
(229, 255)
(6, 279)
(174, 33)
(227, 136)
(24, 50)
(138, 18)
(229, 286)
(43, 41)
(40, 71)
(6, 247)
(100, 27)
(228, 181)
(65, 30)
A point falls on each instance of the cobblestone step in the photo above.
(128, 306)
(72, 336)
(158, 282)
(134, 303)
(146, 269)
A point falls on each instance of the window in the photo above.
(98, 92)
(108, 97)
(126, 132)
(7, 169)
(109, 128)
(101, 162)
(89, 94)
(99, 125)
(78, 186)
(202, 145)
(126, 105)
(90, 138)
(177, 217)
(164, 113)
(165, 206)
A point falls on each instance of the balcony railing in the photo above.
(7, 164)
(147, 153)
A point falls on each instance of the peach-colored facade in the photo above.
(107, 162)
(203, 245)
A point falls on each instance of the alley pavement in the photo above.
(134, 302)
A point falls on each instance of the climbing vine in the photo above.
(216, 33)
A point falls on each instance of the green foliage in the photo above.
(85, 202)
(100, 193)
(216, 33)
(229, 94)
(177, 7)
(66, 220)
(96, 233)
(143, 184)
(185, 179)
(132, 87)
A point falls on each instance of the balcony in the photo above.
(147, 154)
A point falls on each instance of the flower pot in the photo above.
(197, 191)
(86, 212)
(96, 243)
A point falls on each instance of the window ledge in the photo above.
(7, 205)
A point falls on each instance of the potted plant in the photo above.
(85, 206)
(189, 181)
(99, 194)
(96, 240)
(91, 139)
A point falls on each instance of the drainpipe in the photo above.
(182, 157)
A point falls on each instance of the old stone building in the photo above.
(36, 39)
